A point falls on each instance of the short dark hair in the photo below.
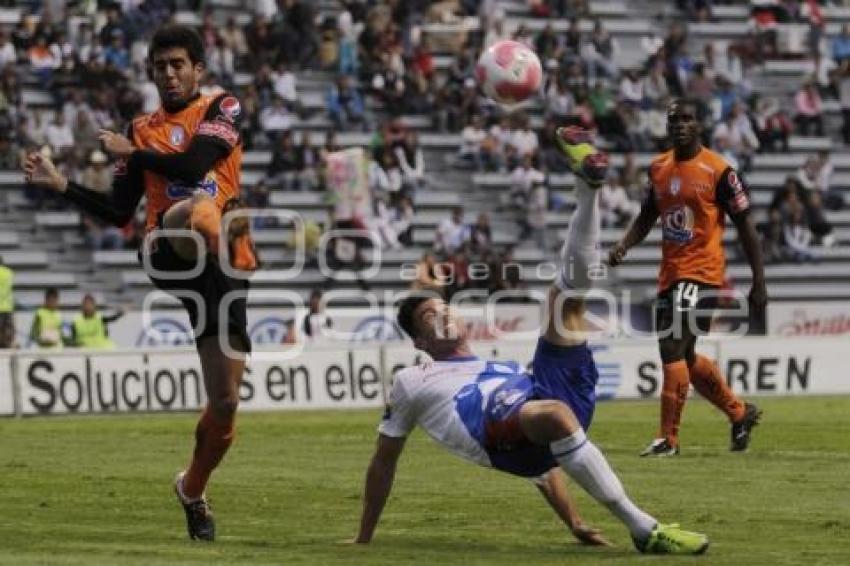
(51, 292)
(406, 307)
(175, 35)
(684, 101)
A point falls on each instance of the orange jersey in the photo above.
(691, 198)
(214, 117)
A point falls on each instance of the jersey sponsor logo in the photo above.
(230, 107)
(177, 135)
(677, 225)
(734, 181)
(220, 130)
(739, 201)
(177, 190)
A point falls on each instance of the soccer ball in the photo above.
(508, 72)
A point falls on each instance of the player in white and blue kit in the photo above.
(497, 415)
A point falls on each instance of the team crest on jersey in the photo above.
(677, 225)
(675, 185)
(177, 135)
(230, 107)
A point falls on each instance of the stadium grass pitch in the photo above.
(97, 490)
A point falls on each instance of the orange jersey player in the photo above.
(185, 158)
(691, 190)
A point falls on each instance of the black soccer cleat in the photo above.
(660, 448)
(199, 518)
(742, 430)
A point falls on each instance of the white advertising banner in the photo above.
(7, 387)
(809, 319)
(157, 380)
(773, 366)
(327, 377)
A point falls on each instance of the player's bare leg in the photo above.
(552, 423)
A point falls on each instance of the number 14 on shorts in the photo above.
(687, 296)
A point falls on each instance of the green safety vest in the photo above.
(49, 326)
(7, 277)
(91, 332)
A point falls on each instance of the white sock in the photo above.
(580, 252)
(587, 466)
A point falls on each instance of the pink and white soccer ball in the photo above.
(509, 72)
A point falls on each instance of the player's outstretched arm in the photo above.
(636, 232)
(379, 483)
(116, 208)
(553, 488)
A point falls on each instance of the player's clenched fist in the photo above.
(39, 170)
(617, 254)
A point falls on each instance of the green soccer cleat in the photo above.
(585, 160)
(670, 539)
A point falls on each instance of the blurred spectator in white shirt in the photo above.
(559, 99)
(385, 177)
(284, 82)
(276, 119)
(412, 162)
(615, 207)
(738, 132)
(60, 136)
(631, 88)
(451, 233)
(7, 49)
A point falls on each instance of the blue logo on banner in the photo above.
(270, 330)
(610, 376)
(165, 332)
(376, 329)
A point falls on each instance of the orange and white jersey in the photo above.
(217, 118)
(691, 197)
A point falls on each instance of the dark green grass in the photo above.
(98, 491)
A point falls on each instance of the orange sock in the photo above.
(242, 253)
(206, 219)
(673, 395)
(212, 439)
(709, 382)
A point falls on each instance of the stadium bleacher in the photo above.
(55, 253)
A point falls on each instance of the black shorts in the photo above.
(213, 286)
(685, 309)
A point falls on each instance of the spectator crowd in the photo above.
(387, 63)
